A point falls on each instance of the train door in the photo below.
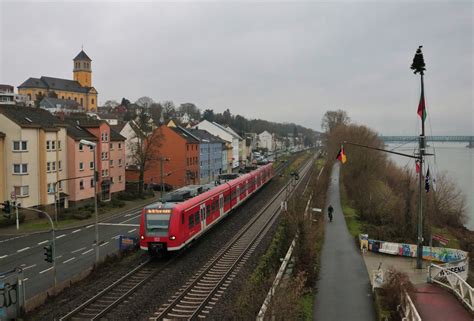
(238, 193)
(202, 214)
(221, 204)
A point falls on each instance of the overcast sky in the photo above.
(284, 62)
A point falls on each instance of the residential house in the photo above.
(117, 162)
(80, 165)
(210, 154)
(181, 152)
(232, 140)
(34, 155)
(129, 131)
(266, 141)
(9, 97)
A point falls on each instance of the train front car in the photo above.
(155, 228)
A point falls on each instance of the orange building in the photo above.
(182, 152)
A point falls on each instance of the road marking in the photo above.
(25, 279)
(87, 251)
(69, 260)
(60, 236)
(29, 267)
(76, 231)
(89, 226)
(46, 270)
(4, 256)
(105, 243)
(131, 219)
(82, 248)
(132, 230)
(120, 224)
(58, 257)
(23, 249)
(43, 242)
(128, 215)
(116, 237)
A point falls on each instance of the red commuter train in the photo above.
(170, 226)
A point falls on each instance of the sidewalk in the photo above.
(343, 290)
(130, 206)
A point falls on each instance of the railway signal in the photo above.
(48, 253)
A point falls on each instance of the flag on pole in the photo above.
(341, 156)
(427, 181)
(417, 166)
(422, 107)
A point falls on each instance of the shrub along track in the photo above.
(145, 301)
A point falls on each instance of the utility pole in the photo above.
(162, 178)
(418, 66)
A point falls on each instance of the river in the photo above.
(454, 159)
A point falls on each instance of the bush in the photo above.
(126, 196)
(4, 222)
(395, 284)
(81, 215)
(117, 203)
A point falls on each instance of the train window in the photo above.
(227, 199)
(196, 217)
(208, 209)
(191, 221)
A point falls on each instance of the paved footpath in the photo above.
(343, 290)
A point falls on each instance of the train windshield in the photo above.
(157, 224)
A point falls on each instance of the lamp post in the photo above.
(94, 148)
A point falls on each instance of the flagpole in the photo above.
(419, 66)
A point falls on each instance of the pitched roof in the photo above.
(77, 132)
(226, 129)
(49, 102)
(85, 120)
(115, 136)
(183, 133)
(204, 136)
(118, 128)
(82, 56)
(31, 117)
(52, 83)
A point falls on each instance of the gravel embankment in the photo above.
(148, 299)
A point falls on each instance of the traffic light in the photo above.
(48, 253)
(6, 209)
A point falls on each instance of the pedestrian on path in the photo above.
(330, 210)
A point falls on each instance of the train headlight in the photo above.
(172, 237)
(142, 237)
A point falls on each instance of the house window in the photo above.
(53, 166)
(60, 165)
(119, 145)
(59, 145)
(92, 101)
(111, 146)
(48, 167)
(103, 173)
(91, 165)
(120, 178)
(120, 162)
(112, 180)
(60, 185)
(81, 184)
(81, 166)
(50, 188)
(53, 145)
(48, 145)
(20, 146)
(104, 155)
(20, 169)
(81, 147)
(22, 191)
(82, 101)
(75, 98)
(92, 182)
(62, 97)
(111, 163)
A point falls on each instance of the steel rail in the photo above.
(214, 275)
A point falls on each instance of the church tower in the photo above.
(82, 69)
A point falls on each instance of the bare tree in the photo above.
(334, 118)
(111, 103)
(143, 145)
(144, 102)
(169, 109)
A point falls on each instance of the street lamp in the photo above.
(94, 148)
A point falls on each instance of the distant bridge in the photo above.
(452, 139)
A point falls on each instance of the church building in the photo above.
(79, 90)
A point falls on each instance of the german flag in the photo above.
(341, 156)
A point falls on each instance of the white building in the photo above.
(128, 130)
(266, 141)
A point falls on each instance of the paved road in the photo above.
(74, 250)
(343, 290)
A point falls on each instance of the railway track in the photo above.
(196, 298)
(106, 300)
(100, 304)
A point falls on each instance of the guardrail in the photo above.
(408, 310)
(451, 280)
